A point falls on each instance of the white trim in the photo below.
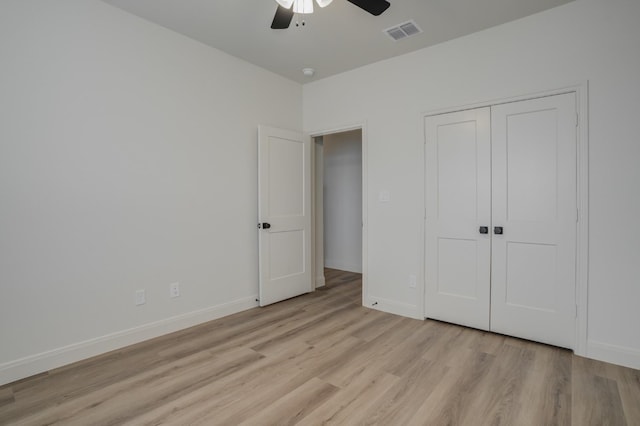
(337, 129)
(45, 361)
(365, 213)
(582, 192)
(393, 307)
(365, 190)
(342, 266)
(570, 88)
(320, 281)
(582, 243)
(620, 355)
(422, 227)
(314, 209)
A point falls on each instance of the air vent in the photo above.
(404, 30)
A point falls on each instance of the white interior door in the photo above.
(458, 201)
(534, 203)
(284, 212)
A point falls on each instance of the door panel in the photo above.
(286, 177)
(453, 280)
(284, 203)
(458, 200)
(531, 272)
(287, 254)
(534, 200)
(456, 154)
(531, 166)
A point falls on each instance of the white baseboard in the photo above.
(342, 266)
(45, 361)
(619, 355)
(320, 281)
(393, 307)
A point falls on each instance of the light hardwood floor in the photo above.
(322, 358)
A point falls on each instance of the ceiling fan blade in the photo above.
(374, 7)
(282, 18)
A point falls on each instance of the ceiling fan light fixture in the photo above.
(287, 9)
(303, 6)
(323, 3)
(285, 3)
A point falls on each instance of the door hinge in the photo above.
(577, 119)
(577, 215)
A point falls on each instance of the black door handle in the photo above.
(264, 225)
(497, 230)
(484, 229)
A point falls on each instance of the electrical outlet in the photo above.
(141, 298)
(412, 281)
(174, 289)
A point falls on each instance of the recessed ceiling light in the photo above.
(309, 72)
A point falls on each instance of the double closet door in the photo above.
(501, 218)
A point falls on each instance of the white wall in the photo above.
(343, 201)
(591, 40)
(128, 161)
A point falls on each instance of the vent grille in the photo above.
(403, 30)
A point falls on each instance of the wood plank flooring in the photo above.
(324, 359)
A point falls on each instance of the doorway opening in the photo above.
(337, 205)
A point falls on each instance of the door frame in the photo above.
(328, 131)
(581, 91)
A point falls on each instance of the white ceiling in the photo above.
(337, 38)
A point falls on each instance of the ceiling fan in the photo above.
(288, 8)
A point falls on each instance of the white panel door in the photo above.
(534, 206)
(458, 201)
(284, 212)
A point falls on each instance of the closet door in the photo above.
(534, 219)
(458, 203)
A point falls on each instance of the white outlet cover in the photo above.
(384, 196)
(174, 290)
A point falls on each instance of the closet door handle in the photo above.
(484, 229)
(497, 230)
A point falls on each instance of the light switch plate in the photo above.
(412, 281)
(140, 298)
